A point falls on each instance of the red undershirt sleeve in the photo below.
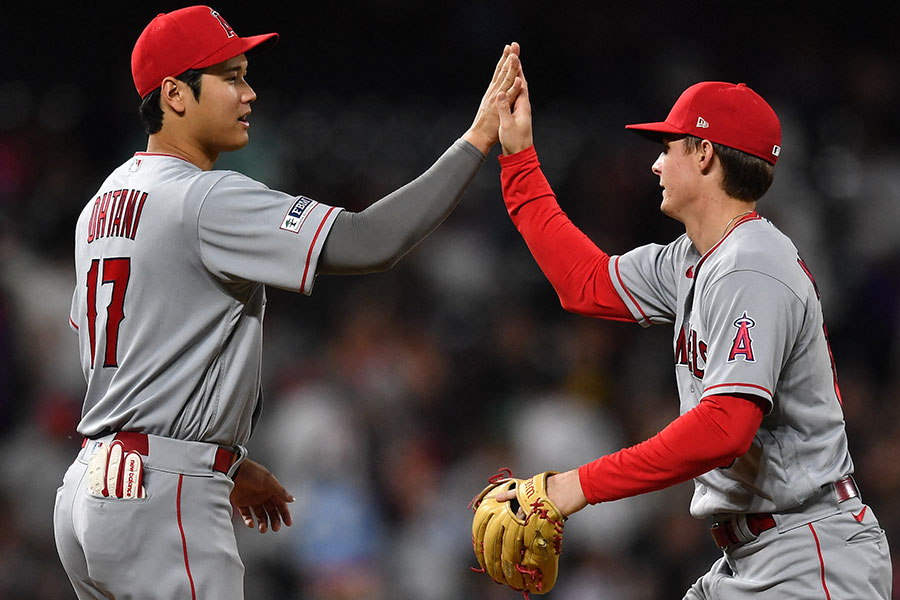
(574, 265)
(717, 431)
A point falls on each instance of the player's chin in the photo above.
(665, 207)
(237, 142)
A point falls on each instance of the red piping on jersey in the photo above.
(750, 385)
(187, 566)
(751, 217)
(73, 323)
(821, 561)
(630, 297)
(311, 246)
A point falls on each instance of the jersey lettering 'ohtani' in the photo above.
(747, 320)
(116, 213)
(160, 239)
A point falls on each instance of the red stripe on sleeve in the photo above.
(718, 430)
(753, 388)
(630, 297)
(312, 246)
(574, 265)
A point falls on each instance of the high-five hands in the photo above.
(515, 115)
(483, 133)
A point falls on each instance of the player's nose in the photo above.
(657, 165)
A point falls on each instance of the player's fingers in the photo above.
(510, 71)
(504, 110)
(261, 522)
(246, 516)
(281, 495)
(285, 512)
(523, 102)
(500, 63)
(274, 518)
(513, 92)
(505, 496)
(503, 80)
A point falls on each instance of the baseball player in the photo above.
(172, 259)
(761, 429)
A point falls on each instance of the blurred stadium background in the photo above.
(390, 398)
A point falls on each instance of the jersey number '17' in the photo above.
(117, 272)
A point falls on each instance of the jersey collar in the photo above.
(753, 216)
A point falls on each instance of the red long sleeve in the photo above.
(574, 265)
(718, 430)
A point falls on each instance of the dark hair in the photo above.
(151, 112)
(746, 177)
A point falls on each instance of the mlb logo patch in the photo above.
(298, 213)
(135, 165)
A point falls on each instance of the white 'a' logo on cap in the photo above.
(701, 123)
(228, 30)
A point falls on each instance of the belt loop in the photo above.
(742, 530)
(846, 489)
(240, 455)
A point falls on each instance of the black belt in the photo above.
(734, 532)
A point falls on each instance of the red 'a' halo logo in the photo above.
(742, 345)
(228, 30)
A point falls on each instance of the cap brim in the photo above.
(655, 131)
(248, 45)
(261, 42)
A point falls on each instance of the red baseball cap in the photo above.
(725, 113)
(195, 37)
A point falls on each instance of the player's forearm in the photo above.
(377, 237)
(576, 268)
(711, 435)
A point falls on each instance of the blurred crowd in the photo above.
(391, 398)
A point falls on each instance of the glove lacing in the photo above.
(502, 474)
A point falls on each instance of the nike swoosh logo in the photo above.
(860, 515)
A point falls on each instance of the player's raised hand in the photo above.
(483, 132)
(514, 110)
(257, 492)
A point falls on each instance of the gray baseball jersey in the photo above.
(747, 320)
(210, 239)
(172, 264)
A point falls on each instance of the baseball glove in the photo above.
(522, 553)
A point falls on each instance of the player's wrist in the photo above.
(480, 140)
(564, 489)
(514, 145)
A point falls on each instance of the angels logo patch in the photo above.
(742, 344)
(298, 213)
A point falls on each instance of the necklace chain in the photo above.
(733, 219)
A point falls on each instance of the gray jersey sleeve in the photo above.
(250, 233)
(645, 279)
(377, 237)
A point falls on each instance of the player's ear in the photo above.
(705, 154)
(172, 95)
